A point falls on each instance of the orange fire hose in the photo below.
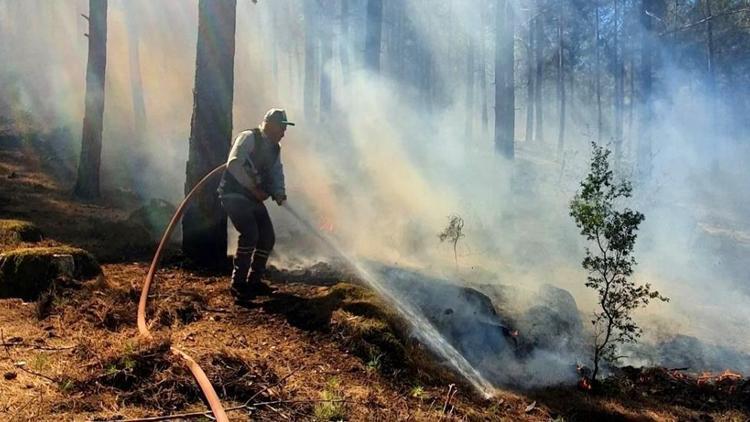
(200, 376)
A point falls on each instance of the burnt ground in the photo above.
(316, 350)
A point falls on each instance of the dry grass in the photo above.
(16, 231)
(317, 349)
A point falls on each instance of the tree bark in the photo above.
(87, 183)
(538, 85)
(504, 80)
(560, 81)
(205, 225)
(374, 28)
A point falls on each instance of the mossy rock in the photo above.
(16, 231)
(27, 272)
(154, 216)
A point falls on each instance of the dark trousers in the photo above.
(256, 240)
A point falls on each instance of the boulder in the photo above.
(154, 216)
(27, 272)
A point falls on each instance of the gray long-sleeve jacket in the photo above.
(253, 162)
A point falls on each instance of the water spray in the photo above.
(423, 329)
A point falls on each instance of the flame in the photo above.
(729, 375)
(326, 226)
(726, 375)
(584, 384)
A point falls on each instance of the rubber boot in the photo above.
(241, 266)
(258, 268)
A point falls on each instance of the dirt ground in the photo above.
(312, 351)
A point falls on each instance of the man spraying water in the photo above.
(253, 174)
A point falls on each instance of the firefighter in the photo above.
(253, 174)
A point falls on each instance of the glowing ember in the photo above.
(584, 384)
(727, 375)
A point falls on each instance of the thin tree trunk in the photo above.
(136, 82)
(374, 32)
(530, 81)
(538, 85)
(644, 124)
(598, 72)
(87, 184)
(560, 81)
(326, 54)
(470, 71)
(504, 80)
(344, 42)
(204, 226)
(311, 59)
(710, 63)
(631, 99)
(483, 30)
(618, 87)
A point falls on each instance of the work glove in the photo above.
(280, 198)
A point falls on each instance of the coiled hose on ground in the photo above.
(200, 376)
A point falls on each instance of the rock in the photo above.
(16, 231)
(154, 216)
(465, 316)
(25, 273)
(554, 322)
(10, 375)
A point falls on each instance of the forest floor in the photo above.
(315, 350)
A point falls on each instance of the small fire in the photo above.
(584, 384)
(326, 226)
(727, 375)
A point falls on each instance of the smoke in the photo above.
(386, 166)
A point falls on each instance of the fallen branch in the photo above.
(37, 347)
(29, 371)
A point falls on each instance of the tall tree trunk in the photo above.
(136, 82)
(344, 42)
(618, 87)
(483, 31)
(530, 79)
(87, 184)
(538, 85)
(311, 59)
(710, 64)
(204, 226)
(470, 71)
(504, 80)
(326, 55)
(560, 81)
(374, 28)
(644, 124)
(598, 77)
(631, 98)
